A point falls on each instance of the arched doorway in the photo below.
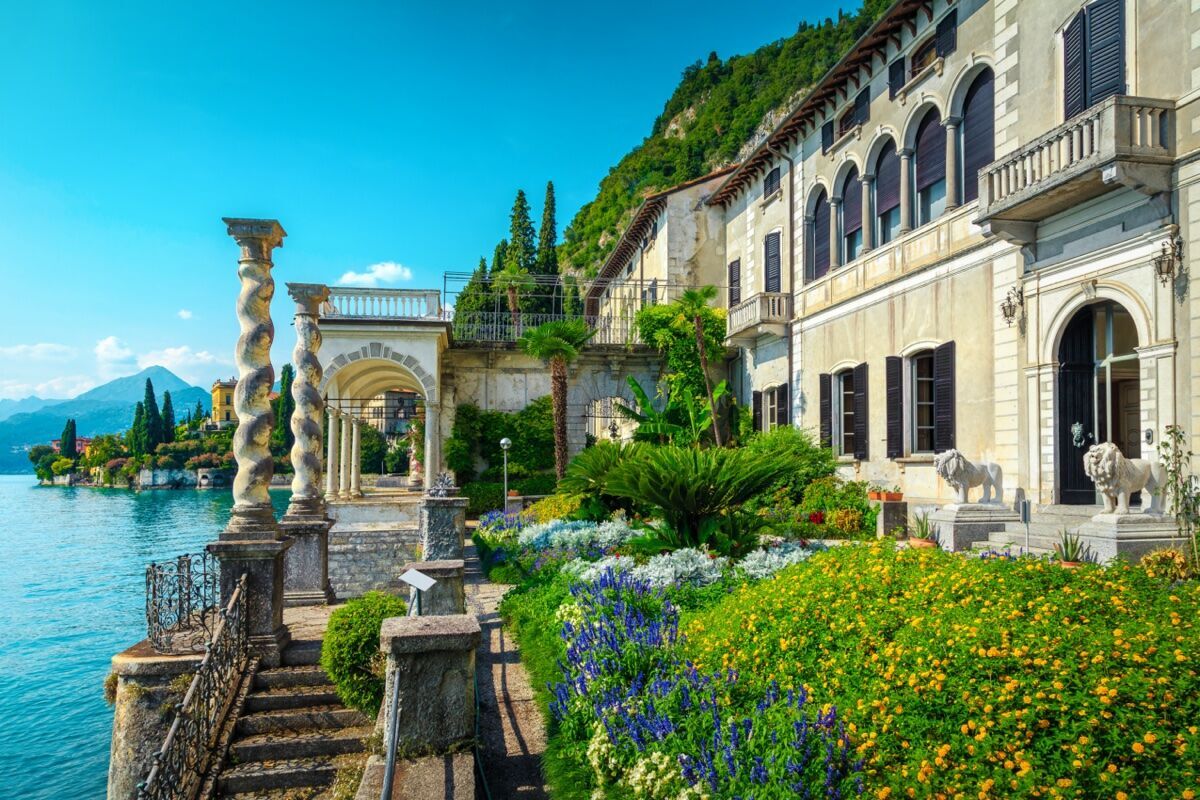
(1098, 393)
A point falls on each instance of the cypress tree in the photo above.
(521, 253)
(281, 434)
(495, 299)
(572, 302)
(474, 298)
(135, 440)
(154, 423)
(547, 252)
(498, 256)
(168, 418)
(67, 443)
(198, 415)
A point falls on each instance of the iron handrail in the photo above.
(389, 767)
(181, 599)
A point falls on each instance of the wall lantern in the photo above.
(1168, 260)
(613, 432)
(1012, 303)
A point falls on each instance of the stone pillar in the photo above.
(434, 660)
(868, 219)
(443, 527)
(906, 190)
(952, 124)
(251, 543)
(433, 443)
(344, 478)
(306, 563)
(356, 458)
(835, 240)
(332, 451)
(445, 597)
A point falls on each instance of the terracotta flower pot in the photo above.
(893, 497)
(1070, 564)
(921, 543)
(513, 493)
(874, 495)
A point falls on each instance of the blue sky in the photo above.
(377, 133)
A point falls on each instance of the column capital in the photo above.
(256, 237)
(308, 296)
(905, 152)
(835, 200)
(867, 178)
(952, 122)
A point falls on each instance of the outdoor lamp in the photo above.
(505, 443)
(1169, 257)
(612, 430)
(1011, 304)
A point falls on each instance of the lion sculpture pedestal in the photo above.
(1118, 531)
(963, 523)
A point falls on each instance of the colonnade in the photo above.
(343, 456)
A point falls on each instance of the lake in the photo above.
(72, 595)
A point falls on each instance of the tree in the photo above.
(281, 434)
(136, 438)
(693, 303)
(521, 255)
(154, 422)
(67, 444)
(513, 280)
(572, 303)
(476, 297)
(558, 343)
(168, 418)
(546, 261)
(372, 448)
(37, 453)
(198, 415)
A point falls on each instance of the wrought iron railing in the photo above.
(186, 754)
(181, 601)
(502, 326)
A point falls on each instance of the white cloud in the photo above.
(42, 351)
(66, 387)
(184, 313)
(383, 272)
(114, 358)
(194, 366)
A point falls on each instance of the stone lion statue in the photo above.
(1117, 477)
(956, 470)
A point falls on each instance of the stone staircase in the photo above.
(1044, 529)
(293, 734)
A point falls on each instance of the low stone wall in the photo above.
(166, 478)
(363, 558)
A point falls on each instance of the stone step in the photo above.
(302, 652)
(256, 776)
(305, 675)
(301, 744)
(291, 697)
(321, 717)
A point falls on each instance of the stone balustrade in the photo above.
(753, 317)
(382, 304)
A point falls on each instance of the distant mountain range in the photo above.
(105, 409)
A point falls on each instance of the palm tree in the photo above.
(693, 303)
(512, 280)
(559, 343)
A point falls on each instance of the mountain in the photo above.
(105, 409)
(24, 405)
(719, 110)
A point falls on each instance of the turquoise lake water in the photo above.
(72, 594)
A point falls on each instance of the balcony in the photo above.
(1122, 141)
(382, 304)
(762, 314)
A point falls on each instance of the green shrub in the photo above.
(482, 497)
(350, 654)
(535, 485)
(806, 459)
(587, 474)
(831, 494)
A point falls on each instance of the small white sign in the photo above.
(418, 579)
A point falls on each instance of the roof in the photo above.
(796, 125)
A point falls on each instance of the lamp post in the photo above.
(505, 443)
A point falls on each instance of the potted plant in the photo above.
(893, 495)
(1070, 550)
(875, 492)
(513, 493)
(923, 535)
(899, 533)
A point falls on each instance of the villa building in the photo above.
(222, 415)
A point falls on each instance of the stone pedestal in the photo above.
(958, 525)
(306, 562)
(447, 595)
(892, 514)
(1132, 536)
(443, 527)
(147, 682)
(434, 660)
(262, 562)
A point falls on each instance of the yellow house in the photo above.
(223, 415)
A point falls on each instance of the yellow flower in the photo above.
(1137, 748)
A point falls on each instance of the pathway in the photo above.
(512, 735)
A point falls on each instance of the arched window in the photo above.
(887, 194)
(978, 133)
(819, 265)
(930, 155)
(851, 217)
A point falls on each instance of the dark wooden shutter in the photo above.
(887, 179)
(771, 253)
(851, 206)
(756, 405)
(896, 76)
(1105, 50)
(979, 133)
(826, 391)
(943, 397)
(930, 151)
(735, 282)
(771, 183)
(1074, 67)
(820, 246)
(947, 34)
(894, 376)
(783, 411)
(826, 136)
(862, 106)
(860, 413)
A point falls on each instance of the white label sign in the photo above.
(418, 579)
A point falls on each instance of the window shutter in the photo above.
(771, 183)
(820, 247)
(860, 412)
(826, 390)
(782, 409)
(862, 106)
(756, 404)
(947, 34)
(930, 151)
(1074, 67)
(896, 74)
(894, 375)
(826, 136)
(1105, 50)
(979, 133)
(887, 179)
(735, 282)
(943, 397)
(851, 206)
(771, 248)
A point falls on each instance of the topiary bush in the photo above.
(350, 653)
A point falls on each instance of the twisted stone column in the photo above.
(306, 419)
(331, 456)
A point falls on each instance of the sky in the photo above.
(387, 138)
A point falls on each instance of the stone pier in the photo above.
(443, 527)
(446, 596)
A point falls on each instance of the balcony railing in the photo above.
(1120, 141)
(383, 304)
(501, 327)
(767, 312)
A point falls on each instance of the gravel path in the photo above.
(511, 730)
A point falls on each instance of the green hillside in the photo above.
(712, 113)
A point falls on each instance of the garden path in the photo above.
(512, 734)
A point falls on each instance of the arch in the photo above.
(963, 81)
(916, 116)
(817, 256)
(886, 134)
(919, 347)
(1116, 292)
(977, 131)
(845, 167)
(929, 178)
(374, 367)
(820, 186)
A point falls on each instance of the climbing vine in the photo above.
(670, 331)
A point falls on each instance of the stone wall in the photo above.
(362, 559)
